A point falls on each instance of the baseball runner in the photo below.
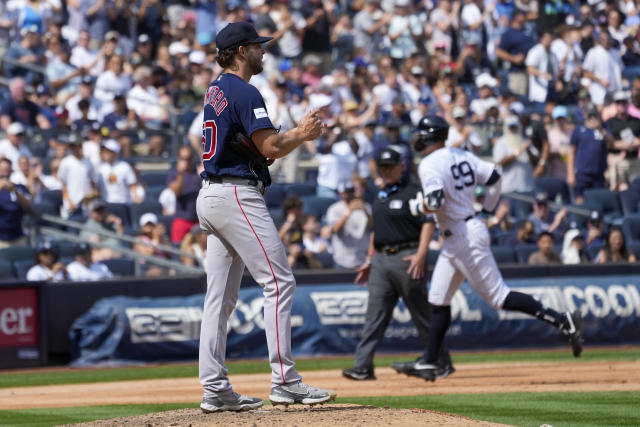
(238, 137)
(449, 177)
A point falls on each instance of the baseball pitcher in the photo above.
(237, 139)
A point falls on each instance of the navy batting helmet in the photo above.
(430, 129)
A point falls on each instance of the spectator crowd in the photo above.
(101, 121)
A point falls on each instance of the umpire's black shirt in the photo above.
(392, 221)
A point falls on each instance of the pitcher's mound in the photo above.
(298, 415)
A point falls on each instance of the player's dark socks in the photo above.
(517, 301)
(440, 321)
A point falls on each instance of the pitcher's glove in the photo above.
(244, 146)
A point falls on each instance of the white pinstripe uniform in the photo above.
(466, 252)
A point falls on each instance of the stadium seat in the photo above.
(504, 254)
(607, 202)
(65, 248)
(505, 237)
(21, 267)
(121, 210)
(592, 251)
(153, 178)
(188, 116)
(316, 206)
(44, 208)
(629, 200)
(152, 192)
(326, 259)
(635, 248)
(167, 220)
(300, 189)
(275, 195)
(631, 229)
(14, 253)
(523, 251)
(557, 248)
(6, 270)
(136, 210)
(121, 267)
(52, 197)
(520, 209)
(553, 186)
(66, 260)
(277, 215)
(580, 213)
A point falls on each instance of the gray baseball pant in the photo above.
(389, 280)
(241, 232)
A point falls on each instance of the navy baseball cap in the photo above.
(238, 33)
(542, 197)
(82, 248)
(345, 187)
(47, 247)
(389, 157)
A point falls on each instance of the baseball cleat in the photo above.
(445, 371)
(574, 331)
(426, 371)
(233, 402)
(358, 374)
(299, 392)
(403, 367)
(409, 368)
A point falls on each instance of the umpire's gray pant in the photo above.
(389, 280)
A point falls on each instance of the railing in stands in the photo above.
(553, 205)
(163, 262)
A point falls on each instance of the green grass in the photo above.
(60, 416)
(90, 375)
(527, 409)
(520, 409)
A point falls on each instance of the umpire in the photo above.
(395, 265)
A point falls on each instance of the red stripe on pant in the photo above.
(274, 278)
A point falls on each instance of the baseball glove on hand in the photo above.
(244, 146)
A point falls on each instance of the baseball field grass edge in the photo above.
(597, 409)
(44, 376)
(42, 417)
(520, 409)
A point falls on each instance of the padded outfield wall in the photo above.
(144, 320)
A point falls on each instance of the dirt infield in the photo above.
(341, 415)
(469, 378)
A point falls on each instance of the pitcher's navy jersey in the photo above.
(230, 100)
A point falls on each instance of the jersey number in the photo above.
(209, 139)
(463, 174)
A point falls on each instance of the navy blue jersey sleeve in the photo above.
(4, 109)
(574, 136)
(253, 112)
(505, 42)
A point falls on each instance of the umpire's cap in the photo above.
(430, 130)
(389, 157)
(238, 33)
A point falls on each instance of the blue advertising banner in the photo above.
(328, 320)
